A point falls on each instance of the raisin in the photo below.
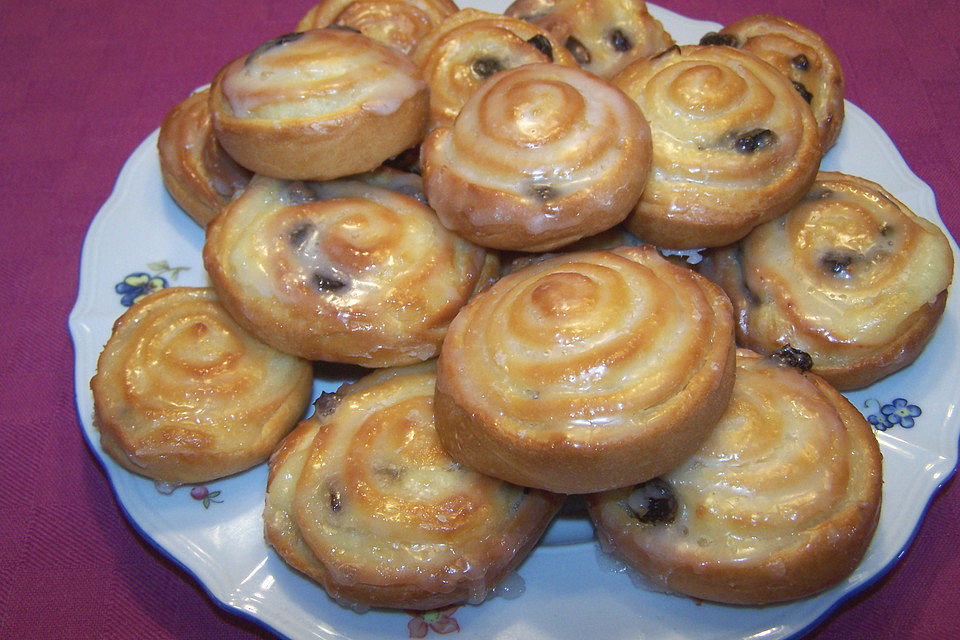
(837, 263)
(619, 40)
(653, 502)
(790, 357)
(486, 67)
(802, 90)
(297, 192)
(270, 44)
(722, 39)
(299, 236)
(578, 51)
(754, 140)
(326, 403)
(335, 504)
(800, 62)
(544, 192)
(325, 282)
(543, 45)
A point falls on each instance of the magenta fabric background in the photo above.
(86, 81)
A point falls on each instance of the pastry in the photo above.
(539, 157)
(850, 276)
(603, 35)
(734, 145)
(472, 45)
(800, 54)
(586, 371)
(199, 175)
(780, 502)
(183, 394)
(363, 499)
(342, 271)
(318, 104)
(400, 24)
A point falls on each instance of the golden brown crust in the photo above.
(780, 503)
(274, 112)
(364, 500)
(804, 57)
(734, 145)
(850, 276)
(200, 176)
(586, 370)
(342, 271)
(400, 24)
(539, 157)
(470, 46)
(603, 35)
(183, 394)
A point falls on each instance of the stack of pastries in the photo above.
(483, 212)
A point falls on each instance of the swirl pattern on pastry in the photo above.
(400, 24)
(540, 156)
(183, 394)
(342, 271)
(850, 276)
(374, 509)
(321, 104)
(734, 145)
(604, 36)
(586, 370)
(780, 502)
(801, 55)
(199, 175)
(472, 45)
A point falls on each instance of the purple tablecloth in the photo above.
(87, 81)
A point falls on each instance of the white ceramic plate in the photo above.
(570, 591)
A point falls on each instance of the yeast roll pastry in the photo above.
(320, 104)
(586, 371)
(603, 35)
(199, 175)
(799, 53)
(780, 502)
(470, 46)
(734, 145)
(540, 156)
(849, 275)
(399, 24)
(342, 271)
(363, 499)
(184, 394)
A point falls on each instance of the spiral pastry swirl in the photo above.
(801, 55)
(540, 156)
(472, 45)
(603, 36)
(322, 104)
(374, 509)
(585, 370)
(850, 276)
(197, 172)
(342, 271)
(780, 502)
(183, 394)
(399, 24)
(734, 145)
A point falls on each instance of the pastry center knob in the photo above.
(706, 88)
(562, 295)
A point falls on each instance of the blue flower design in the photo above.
(137, 285)
(898, 412)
